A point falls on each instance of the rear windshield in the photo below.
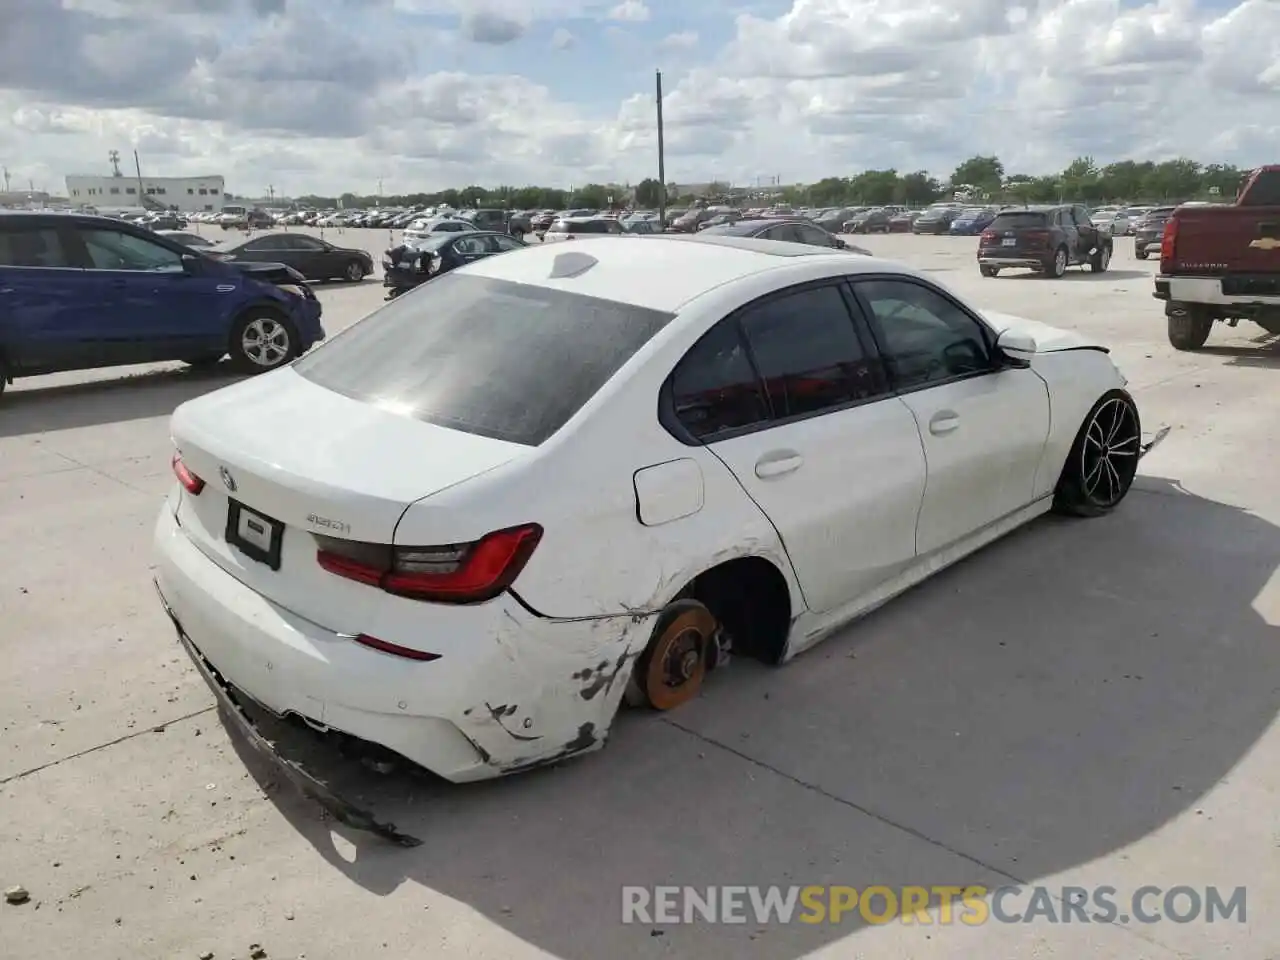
(504, 360)
(1018, 218)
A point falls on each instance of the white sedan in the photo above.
(552, 481)
(427, 227)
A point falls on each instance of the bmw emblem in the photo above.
(227, 479)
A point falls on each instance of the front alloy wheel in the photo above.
(1103, 461)
(355, 271)
(261, 342)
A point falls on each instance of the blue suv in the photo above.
(78, 292)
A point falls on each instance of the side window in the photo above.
(715, 388)
(812, 235)
(469, 246)
(808, 353)
(264, 244)
(783, 231)
(31, 247)
(503, 244)
(113, 250)
(296, 241)
(924, 337)
(1081, 217)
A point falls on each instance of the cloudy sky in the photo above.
(333, 95)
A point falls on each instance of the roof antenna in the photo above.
(571, 265)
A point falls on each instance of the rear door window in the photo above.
(715, 388)
(808, 353)
(504, 360)
(23, 245)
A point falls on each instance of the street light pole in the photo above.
(662, 164)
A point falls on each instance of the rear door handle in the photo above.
(778, 464)
(944, 422)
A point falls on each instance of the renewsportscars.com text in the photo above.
(932, 905)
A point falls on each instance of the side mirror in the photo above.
(190, 263)
(1015, 349)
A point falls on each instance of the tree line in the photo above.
(978, 178)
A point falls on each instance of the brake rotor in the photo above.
(677, 662)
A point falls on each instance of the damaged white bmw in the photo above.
(469, 527)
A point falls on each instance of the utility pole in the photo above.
(271, 193)
(137, 166)
(6, 179)
(662, 162)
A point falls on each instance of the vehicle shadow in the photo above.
(1051, 700)
(1080, 275)
(1265, 354)
(134, 397)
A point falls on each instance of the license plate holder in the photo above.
(1009, 242)
(254, 534)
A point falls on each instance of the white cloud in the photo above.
(630, 11)
(308, 103)
(684, 40)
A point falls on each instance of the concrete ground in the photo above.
(1085, 703)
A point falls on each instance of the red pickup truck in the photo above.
(1221, 261)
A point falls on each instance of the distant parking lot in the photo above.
(1072, 706)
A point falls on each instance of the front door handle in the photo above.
(944, 422)
(778, 464)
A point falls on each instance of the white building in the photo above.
(188, 194)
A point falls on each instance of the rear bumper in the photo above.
(513, 695)
(308, 784)
(1210, 291)
(1013, 261)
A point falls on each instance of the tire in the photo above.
(354, 272)
(1103, 460)
(988, 271)
(1189, 327)
(1141, 254)
(4, 376)
(1099, 262)
(673, 666)
(1056, 267)
(276, 339)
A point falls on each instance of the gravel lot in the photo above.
(1083, 703)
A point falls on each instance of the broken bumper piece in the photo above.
(1151, 444)
(309, 785)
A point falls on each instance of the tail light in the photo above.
(988, 236)
(190, 482)
(453, 573)
(1169, 244)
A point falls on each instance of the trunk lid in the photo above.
(315, 463)
(1223, 239)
